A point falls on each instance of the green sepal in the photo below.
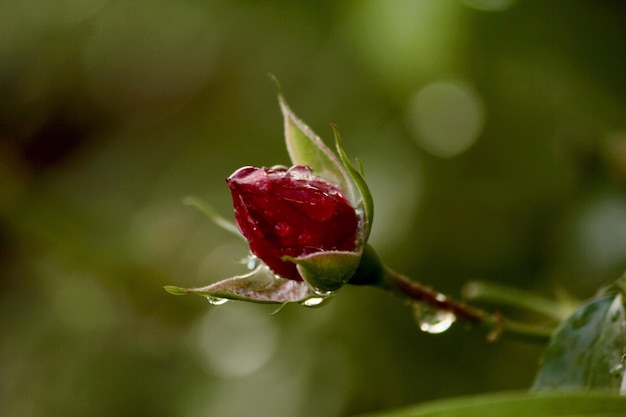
(306, 148)
(213, 215)
(358, 177)
(371, 270)
(326, 271)
(259, 286)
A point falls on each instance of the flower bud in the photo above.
(289, 213)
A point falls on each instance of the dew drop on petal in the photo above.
(323, 210)
(314, 205)
(300, 172)
(283, 229)
(279, 168)
(216, 301)
(431, 320)
(305, 238)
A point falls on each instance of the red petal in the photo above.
(290, 212)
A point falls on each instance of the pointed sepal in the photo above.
(259, 286)
(306, 148)
(213, 215)
(358, 177)
(327, 271)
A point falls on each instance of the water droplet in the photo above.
(441, 298)
(253, 227)
(283, 229)
(300, 172)
(313, 301)
(279, 168)
(216, 301)
(252, 262)
(431, 320)
(314, 204)
(322, 293)
(305, 238)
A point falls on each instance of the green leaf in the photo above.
(306, 148)
(587, 350)
(579, 404)
(259, 286)
(328, 270)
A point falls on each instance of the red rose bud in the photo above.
(291, 212)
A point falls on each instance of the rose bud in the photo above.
(309, 231)
(289, 213)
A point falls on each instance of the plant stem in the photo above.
(494, 324)
(493, 293)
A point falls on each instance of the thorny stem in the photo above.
(494, 324)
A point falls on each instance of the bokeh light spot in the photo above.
(602, 233)
(445, 118)
(82, 304)
(158, 231)
(399, 40)
(236, 341)
(398, 174)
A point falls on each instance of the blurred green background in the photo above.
(493, 133)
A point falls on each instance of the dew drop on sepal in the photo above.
(216, 301)
(432, 320)
(252, 262)
(313, 301)
(322, 293)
